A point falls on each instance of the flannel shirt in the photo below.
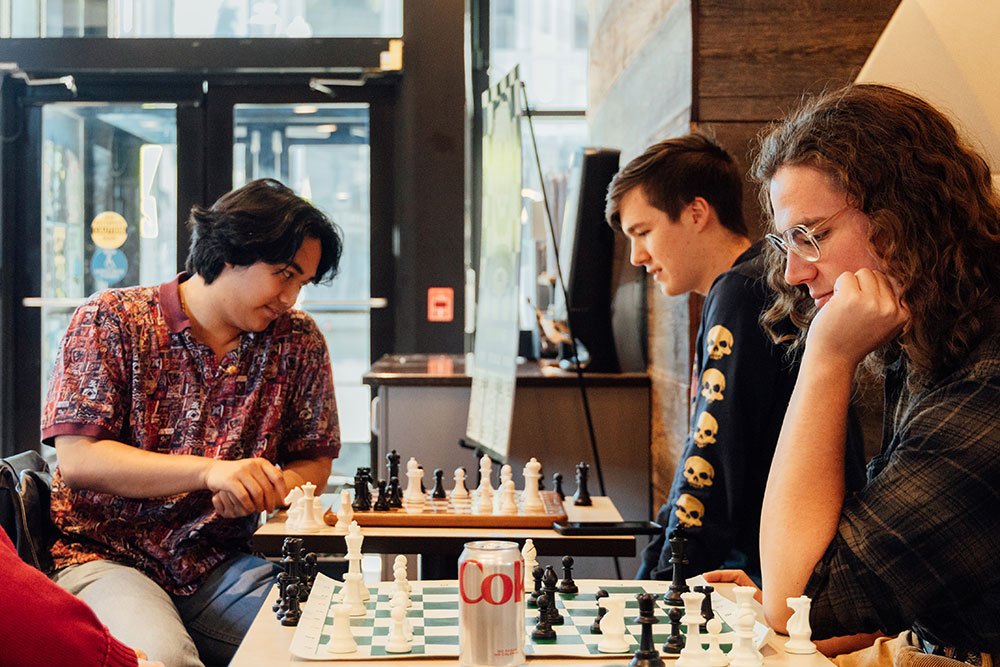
(130, 370)
(919, 545)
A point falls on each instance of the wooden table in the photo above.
(266, 645)
(447, 543)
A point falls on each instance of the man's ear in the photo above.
(701, 212)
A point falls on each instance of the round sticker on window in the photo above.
(108, 266)
(109, 230)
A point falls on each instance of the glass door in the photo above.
(108, 206)
(321, 151)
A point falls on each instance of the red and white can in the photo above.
(491, 605)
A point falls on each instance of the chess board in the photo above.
(441, 513)
(434, 616)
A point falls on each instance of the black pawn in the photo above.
(536, 574)
(543, 628)
(595, 627)
(675, 642)
(310, 573)
(439, 491)
(280, 604)
(567, 586)
(293, 613)
(557, 486)
(646, 655)
(582, 496)
(706, 605)
(678, 558)
(395, 493)
(382, 502)
(549, 588)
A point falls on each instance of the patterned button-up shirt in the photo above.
(130, 370)
(919, 546)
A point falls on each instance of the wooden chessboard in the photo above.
(443, 513)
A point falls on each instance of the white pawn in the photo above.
(745, 653)
(484, 497)
(352, 594)
(414, 475)
(528, 553)
(531, 499)
(397, 641)
(485, 475)
(613, 626)
(399, 563)
(507, 504)
(399, 597)
(716, 656)
(459, 493)
(693, 654)
(345, 513)
(341, 638)
(798, 627)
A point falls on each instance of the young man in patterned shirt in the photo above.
(680, 205)
(888, 225)
(181, 412)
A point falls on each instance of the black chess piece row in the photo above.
(295, 581)
(567, 586)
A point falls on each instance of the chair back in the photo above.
(25, 488)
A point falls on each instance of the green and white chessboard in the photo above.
(434, 617)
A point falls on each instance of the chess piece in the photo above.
(484, 497)
(745, 653)
(382, 502)
(291, 556)
(799, 631)
(280, 604)
(486, 472)
(392, 464)
(341, 638)
(399, 566)
(507, 504)
(439, 493)
(309, 574)
(613, 626)
(646, 655)
(353, 540)
(414, 480)
(302, 511)
(716, 656)
(678, 558)
(397, 641)
(675, 642)
(595, 627)
(423, 489)
(345, 513)
(395, 493)
(693, 654)
(582, 495)
(528, 553)
(557, 485)
(459, 493)
(706, 604)
(293, 612)
(549, 588)
(353, 595)
(543, 628)
(745, 603)
(531, 498)
(362, 502)
(567, 586)
(537, 573)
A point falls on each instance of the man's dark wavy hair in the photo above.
(263, 221)
(935, 216)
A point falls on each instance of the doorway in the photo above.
(102, 181)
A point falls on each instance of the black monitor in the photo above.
(586, 259)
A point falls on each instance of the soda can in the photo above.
(491, 625)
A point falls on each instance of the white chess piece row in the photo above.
(485, 499)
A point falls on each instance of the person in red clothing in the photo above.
(45, 625)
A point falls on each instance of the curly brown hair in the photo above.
(935, 216)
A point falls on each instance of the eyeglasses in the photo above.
(800, 239)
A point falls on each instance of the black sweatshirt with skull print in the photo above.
(740, 386)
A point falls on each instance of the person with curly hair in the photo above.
(885, 252)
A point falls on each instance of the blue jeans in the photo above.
(180, 631)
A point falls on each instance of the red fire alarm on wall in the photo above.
(440, 304)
